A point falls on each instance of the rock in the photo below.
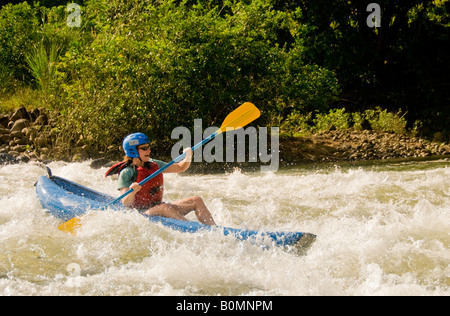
(20, 113)
(24, 158)
(20, 141)
(17, 134)
(99, 163)
(77, 158)
(82, 153)
(13, 153)
(43, 157)
(41, 141)
(41, 120)
(19, 148)
(19, 125)
(7, 159)
(4, 120)
(5, 139)
(4, 130)
(34, 114)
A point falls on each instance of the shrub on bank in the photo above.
(378, 120)
(152, 66)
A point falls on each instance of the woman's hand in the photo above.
(183, 165)
(188, 152)
(136, 187)
(128, 200)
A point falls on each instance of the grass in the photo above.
(42, 64)
(23, 97)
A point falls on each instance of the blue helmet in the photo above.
(131, 142)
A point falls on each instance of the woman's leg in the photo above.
(197, 205)
(179, 209)
(165, 210)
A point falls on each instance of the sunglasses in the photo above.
(144, 148)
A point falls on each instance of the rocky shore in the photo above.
(356, 145)
(30, 136)
(24, 135)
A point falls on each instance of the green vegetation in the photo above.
(152, 65)
(377, 120)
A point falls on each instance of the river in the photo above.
(381, 230)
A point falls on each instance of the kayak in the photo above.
(65, 200)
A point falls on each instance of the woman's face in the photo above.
(144, 152)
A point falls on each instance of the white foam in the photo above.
(381, 231)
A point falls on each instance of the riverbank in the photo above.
(356, 145)
(31, 136)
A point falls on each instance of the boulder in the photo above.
(17, 134)
(34, 114)
(19, 125)
(5, 139)
(41, 141)
(41, 120)
(99, 163)
(7, 159)
(20, 113)
(4, 120)
(19, 148)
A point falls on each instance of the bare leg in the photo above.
(197, 205)
(179, 209)
(165, 210)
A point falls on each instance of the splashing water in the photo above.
(382, 230)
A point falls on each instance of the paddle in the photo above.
(243, 115)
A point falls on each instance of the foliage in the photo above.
(152, 65)
(174, 64)
(18, 25)
(402, 64)
(382, 120)
(336, 118)
(43, 63)
(378, 120)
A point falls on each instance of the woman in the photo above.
(148, 198)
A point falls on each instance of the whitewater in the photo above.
(382, 229)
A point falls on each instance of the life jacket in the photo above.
(152, 192)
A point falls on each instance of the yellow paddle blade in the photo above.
(243, 115)
(71, 226)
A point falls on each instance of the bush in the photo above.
(153, 67)
(336, 119)
(18, 30)
(378, 120)
(384, 121)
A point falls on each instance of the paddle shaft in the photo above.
(161, 170)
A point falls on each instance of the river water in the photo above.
(382, 230)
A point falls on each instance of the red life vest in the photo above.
(152, 192)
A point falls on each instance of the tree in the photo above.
(403, 64)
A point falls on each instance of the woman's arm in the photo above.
(129, 199)
(183, 165)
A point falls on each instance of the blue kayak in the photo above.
(65, 200)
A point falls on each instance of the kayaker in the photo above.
(148, 198)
